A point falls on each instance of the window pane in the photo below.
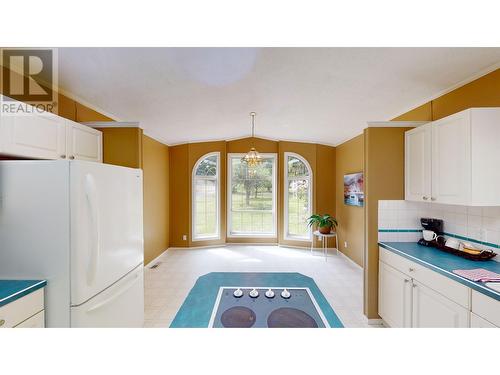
(298, 207)
(208, 166)
(205, 207)
(251, 197)
(296, 167)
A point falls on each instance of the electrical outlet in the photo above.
(184, 237)
(345, 244)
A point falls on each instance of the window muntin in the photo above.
(252, 197)
(205, 198)
(298, 197)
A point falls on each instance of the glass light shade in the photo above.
(252, 158)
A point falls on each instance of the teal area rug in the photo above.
(197, 308)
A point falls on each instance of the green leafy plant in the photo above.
(325, 222)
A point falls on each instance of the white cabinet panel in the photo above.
(394, 299)
(40, 136)
(451, 159)
(418, 163)
(83, 142)
(486, 307)
(477, 322)
(21, 309)
(432, 310)
(461, 166)
(36, 321)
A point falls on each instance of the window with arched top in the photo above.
(205, 198)
(298, 197)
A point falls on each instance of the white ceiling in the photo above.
(323, 95)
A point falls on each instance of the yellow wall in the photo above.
(122, 146)
(155, 165)
(482, 92)
(179, 195)
(384, 179)
(350, 159)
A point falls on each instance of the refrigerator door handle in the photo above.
(91, 195)
(110, 299)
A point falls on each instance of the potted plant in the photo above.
(325, 223)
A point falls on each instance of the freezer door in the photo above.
(121, 305)
(106, 226)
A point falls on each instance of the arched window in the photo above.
(205, 198)
(298, 197)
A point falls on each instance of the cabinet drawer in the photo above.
(450, 289)
(21, 309)
(486, 307)
(36, 321)
(477, 322)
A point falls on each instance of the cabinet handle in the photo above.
(425, 198)
(433, 198)
(414, 285)
(411, 269)
(63, 156)
(71, 157)
(407, 280)
(2, 322)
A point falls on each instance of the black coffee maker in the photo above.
(436, 225)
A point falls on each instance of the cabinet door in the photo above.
(394, 297)
(37, 136)
(418, 163)
(451, 159)
(83, 142)
(477, 322)
(36, 321)
(433, 310)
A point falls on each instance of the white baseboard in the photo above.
(375, 322)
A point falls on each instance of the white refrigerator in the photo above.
(79, 225)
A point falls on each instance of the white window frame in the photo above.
(193, 200)
(286, 179)
(273, 234)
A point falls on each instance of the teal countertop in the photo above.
(444, 263)
(10, 290)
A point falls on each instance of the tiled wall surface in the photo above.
(400, 221)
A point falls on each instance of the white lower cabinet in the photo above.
(394, 297)
(25, 312)
(36, 321)
(433, 310)
(477, 322)
(411, 295)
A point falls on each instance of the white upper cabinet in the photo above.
(42, 136)
(455, 160)
(83, 142)
(48, 136)
(451, 159)
(418, 163)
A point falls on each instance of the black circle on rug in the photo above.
(288, 317)
(238, 317)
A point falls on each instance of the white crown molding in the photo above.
(471, 78)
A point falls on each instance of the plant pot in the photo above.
(325, 230)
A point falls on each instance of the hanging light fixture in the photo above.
(252, 158)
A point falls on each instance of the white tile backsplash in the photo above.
(479, 223)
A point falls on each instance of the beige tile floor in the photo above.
(166, 286)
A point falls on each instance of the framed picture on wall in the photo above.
(354, 189)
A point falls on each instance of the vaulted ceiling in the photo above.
(323, 95)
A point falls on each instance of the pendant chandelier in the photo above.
(252, 158)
